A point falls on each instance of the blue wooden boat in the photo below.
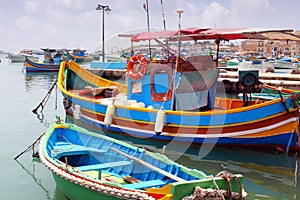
(256, 62)
(34, 66)
(87, 165)
(263, 96)
(79, 56)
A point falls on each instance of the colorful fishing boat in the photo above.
(281, 92)
(175, 100)
(79, 56)
(144, 108)
(87, 165)
(269, 89)
(34, 66)
(51, 61)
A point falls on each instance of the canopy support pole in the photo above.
(165, 46)
(179, 11)
(217, 41)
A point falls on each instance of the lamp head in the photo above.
(99, 7)
(104, 8)
(179, 11)
(107, 9)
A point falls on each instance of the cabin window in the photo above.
(136, 87)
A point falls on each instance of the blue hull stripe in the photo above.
(281, 139)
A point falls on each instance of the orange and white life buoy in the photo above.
(135, 60)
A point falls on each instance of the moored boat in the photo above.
(79, 56)
(175, 100)
(33, 66)
(233, 62)
(196, 116)
(87, 165)
(20, 57)
(272, 89)
(281, 92)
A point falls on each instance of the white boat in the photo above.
(20, 57)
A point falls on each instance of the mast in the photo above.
(163, 15)
(146, 7)
(179, 11)
(164, 23)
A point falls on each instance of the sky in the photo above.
(35, 24)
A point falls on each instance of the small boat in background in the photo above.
(51, 61)
(33, 66)
(54, 56)
(282, 92)
(79, 56)
(20, 57)
(87, 165)
(286, 63)
(289, 60)
(256, 62)
(233, 62)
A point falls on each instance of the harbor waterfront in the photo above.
(266, 176)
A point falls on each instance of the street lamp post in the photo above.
(146, 7)
(107, 10)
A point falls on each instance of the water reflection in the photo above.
(31, 172)
(39, 80)
(265, 175)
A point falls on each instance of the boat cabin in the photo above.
(194, 87)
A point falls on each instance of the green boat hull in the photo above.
(73, 182)
(76, 192)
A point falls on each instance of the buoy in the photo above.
(109, 115)
(77, 112)
(138, 104)
(159, 121)
(150, 107)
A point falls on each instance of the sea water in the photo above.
(267, 176)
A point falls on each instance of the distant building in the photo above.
(271, 48)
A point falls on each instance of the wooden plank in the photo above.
(145, 184)
(172, 176)
(104, 165)
(72, 149)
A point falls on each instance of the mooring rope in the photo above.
(32, 146)
(45, 99)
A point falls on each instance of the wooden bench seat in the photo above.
(145, 184)
(104, 165)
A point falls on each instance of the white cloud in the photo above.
(76, 22)
(28, 24)
(31, 6)
(215, 15)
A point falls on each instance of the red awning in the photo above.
(166, 34)
(193, 30)
(219, 34)
(153, 35)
